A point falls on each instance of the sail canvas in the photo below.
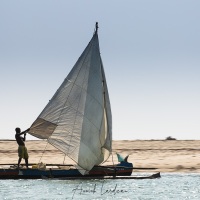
(77, 120)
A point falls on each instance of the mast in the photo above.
(96, 28)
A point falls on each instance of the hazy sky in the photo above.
(150, 50)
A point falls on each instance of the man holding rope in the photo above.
(22, 150)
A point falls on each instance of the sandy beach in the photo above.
(164, 155)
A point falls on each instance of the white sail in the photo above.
(78, 120)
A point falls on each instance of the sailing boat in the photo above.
(78, 122)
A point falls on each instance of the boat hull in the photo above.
(122, 169)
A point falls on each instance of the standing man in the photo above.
(22, 150)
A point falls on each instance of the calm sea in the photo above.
(170, 186)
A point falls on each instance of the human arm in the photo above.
(24, 132)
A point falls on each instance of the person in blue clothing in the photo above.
(22, 150)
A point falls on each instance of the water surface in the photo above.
(170, 186)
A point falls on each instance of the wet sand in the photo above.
(164, 155)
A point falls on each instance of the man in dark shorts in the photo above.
(22, 150)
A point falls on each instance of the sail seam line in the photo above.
(91, 45)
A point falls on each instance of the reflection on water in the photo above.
(170, 186)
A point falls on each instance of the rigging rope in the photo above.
(112, 159)
(43, 151)
(113, 164)
(64, 159)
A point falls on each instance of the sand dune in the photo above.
(165, 155)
